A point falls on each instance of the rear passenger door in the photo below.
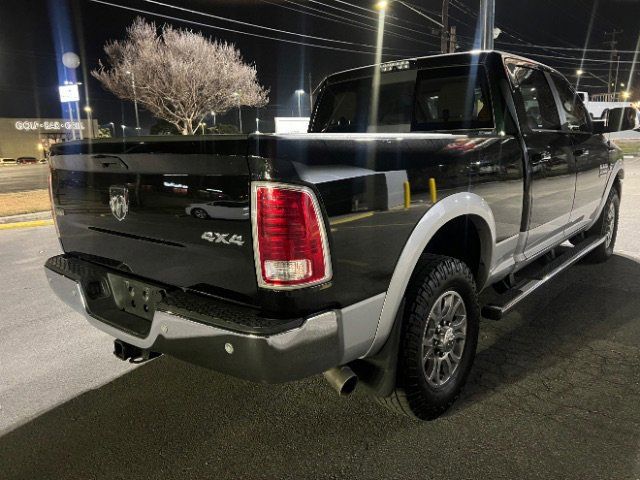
(550, 150)
(591, 154)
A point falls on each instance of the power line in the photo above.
(388, 14)
(412, 30)
(206, 25)
(252, 25)
(343, 20)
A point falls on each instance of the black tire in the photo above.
(604, 251)
(413, 395)
(199, 213)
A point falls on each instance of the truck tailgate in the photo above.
(173, 211)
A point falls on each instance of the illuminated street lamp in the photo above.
(447, 37)
(626, 95)
(202, 125)
(124, 127)
(383, 5)
(299, 94)
(579, 72)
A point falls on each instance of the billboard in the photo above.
(69, 93)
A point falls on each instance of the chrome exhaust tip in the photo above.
(342, 379)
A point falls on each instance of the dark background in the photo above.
(34, 33)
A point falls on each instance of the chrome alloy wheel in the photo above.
(444, 339)
(610, 224)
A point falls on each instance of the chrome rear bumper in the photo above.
(309, 349)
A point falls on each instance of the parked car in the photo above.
(222, 209)
(7, 161)
(500, 165)
(27, 160)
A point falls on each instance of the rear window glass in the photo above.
(453, 99)
(346, 106)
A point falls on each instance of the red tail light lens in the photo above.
(290, 240)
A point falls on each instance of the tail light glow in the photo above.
(290, 240)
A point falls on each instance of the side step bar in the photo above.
(507, 301)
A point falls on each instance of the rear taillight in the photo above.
(290, 240)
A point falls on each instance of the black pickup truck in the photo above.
(357, 250)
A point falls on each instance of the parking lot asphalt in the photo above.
(22, 178)
(554, 393)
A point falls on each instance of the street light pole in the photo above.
(237, 95)
(88, 110)
(112, 127)
(487, 23)
(135, 100)
(124, 135)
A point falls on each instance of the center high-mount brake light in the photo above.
(290, 241)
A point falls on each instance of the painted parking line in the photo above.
(33, 223)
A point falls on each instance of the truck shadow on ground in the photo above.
(168, 418)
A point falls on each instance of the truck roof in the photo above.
(443, 59)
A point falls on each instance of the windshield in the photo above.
(453, 98)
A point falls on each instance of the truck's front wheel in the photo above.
(439, 339)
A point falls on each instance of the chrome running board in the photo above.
(508, 300)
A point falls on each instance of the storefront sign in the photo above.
(47, 125)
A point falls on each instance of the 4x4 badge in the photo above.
(225, 238)
(119, 201)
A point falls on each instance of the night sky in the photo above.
(32, 32)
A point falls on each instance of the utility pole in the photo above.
(445, 44)
(612, 45)
(453, 39)
(487, 23)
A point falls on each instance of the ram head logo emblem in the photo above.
(119, 202)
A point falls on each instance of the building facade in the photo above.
(33, 137)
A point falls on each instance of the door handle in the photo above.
(581, 152)
(543, 157)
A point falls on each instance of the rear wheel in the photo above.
(607, 227)
(439, 339)
(199, 213)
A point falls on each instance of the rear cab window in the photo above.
(437, 99)
(454, 98)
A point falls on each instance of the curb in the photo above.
(33, 223)
(27, 217)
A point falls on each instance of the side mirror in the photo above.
(618, 120)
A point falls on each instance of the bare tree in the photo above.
(179, 75)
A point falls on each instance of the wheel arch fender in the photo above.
(464, 204)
